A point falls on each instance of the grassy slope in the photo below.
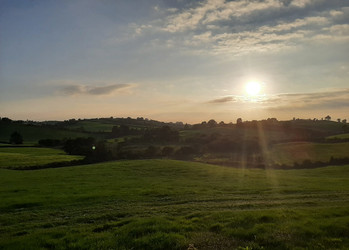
(158, 204)
(288, 153)
(329, 126)
(31, 156)
(35, 133)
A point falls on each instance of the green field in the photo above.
(162, 204)
(340, 136)
(12, 157)
(288, 153)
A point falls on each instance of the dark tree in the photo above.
(16, 138)
(211, 123)
(6, 120)
(328, 118)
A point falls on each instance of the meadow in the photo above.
(166, 204)
(14, 157)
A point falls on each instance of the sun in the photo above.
(253, 88)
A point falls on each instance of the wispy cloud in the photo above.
(213, 11)
(223, 100)
(78, 89)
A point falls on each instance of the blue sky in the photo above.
(173, 60)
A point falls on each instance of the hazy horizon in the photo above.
(171, 61)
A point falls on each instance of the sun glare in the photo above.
(253, 88)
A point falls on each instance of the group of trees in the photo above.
(163, 134)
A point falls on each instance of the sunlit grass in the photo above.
(31, 156)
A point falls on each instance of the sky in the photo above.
(174, 60)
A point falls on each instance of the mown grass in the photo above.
(162, 204)
(12, 157)
(289, 153)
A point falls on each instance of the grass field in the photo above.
(161, 204)
(12, 157)
(288, 153)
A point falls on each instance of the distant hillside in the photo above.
(106, 124)
(33, 132)
(247, 143)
